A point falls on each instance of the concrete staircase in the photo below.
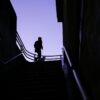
(40, 80)
(21, 80)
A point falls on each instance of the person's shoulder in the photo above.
(36, 41)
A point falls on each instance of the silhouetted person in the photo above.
(38, 46)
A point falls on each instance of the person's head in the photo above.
(39, 38)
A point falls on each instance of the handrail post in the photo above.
(62, 58)
(21, 47)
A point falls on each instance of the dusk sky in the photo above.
(38, 18)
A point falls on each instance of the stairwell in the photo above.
(41, 80)
(22, 80)
(36, 81)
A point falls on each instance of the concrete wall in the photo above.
(86, 62)
(90, 47)
(71, 29)
(7, 30)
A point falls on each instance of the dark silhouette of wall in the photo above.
(86, 61)
(59, 10)
(71, 22)
(90, 47)
(7, 30)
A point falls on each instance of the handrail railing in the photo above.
(83, 94)
(25, 52)
(31, 56)
(11, 59)
(19, 40)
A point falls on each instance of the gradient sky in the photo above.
(38, 18)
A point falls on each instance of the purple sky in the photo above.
(38, 18)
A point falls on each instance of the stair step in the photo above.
(37, 81)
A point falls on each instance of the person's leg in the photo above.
(39, 54)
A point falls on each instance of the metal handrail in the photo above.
(53, 55)
(23, 49)
(21, 43)
(75, 75)
(20, 40)
(13, 58)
